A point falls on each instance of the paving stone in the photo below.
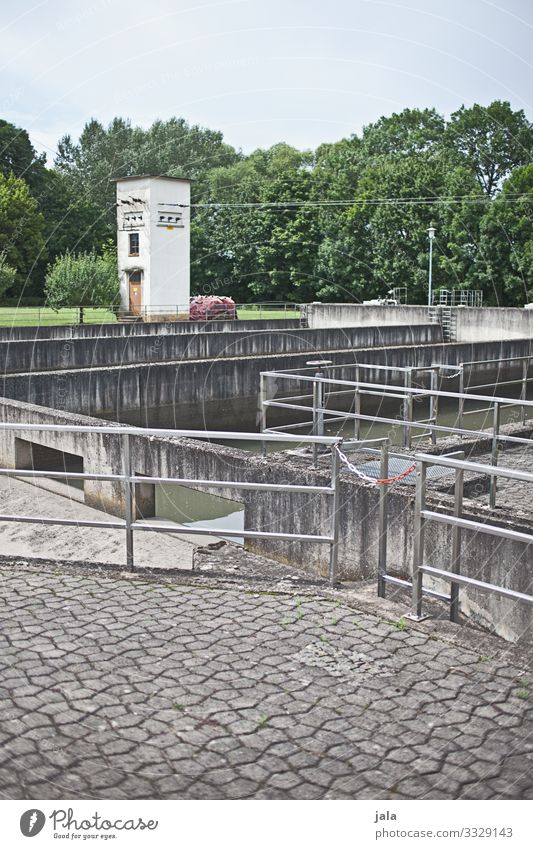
(143, 691)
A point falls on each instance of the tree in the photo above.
(489, 141)
(171, 148)
(21, 229)
(504, 266)
(7, 274)
(83, 279)
(409, 132)
(18, 156)
(262, 246)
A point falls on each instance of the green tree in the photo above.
(21, 229)
(83, 279)
(7, 274)
(18, 156)
(504, 266)
(172, 148)
(489, 141)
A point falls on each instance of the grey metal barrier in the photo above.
(456, 520)
(130, 480)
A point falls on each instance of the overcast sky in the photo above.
(262, 71)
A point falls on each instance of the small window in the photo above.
(134, 244)
(134, 277)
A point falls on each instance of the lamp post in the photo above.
(431, 233)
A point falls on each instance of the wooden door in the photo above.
(135, 292)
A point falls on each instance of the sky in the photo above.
(261, 71)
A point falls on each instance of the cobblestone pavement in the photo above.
(120, 688)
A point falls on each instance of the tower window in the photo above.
(134, 244)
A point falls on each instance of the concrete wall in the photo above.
(149, 328)
(192, 386)
(484, 323)
(44, 355)
(473, 324)
(508, 564)
(352, 315)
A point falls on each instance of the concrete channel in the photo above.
(213, 376)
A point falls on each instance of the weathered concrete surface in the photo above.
(52, 354)
(473, 324)
(136, 689)
(507, 564)
(151, 328)
(188, 386)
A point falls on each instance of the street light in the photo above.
(431, 233)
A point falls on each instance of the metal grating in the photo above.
(397, 465)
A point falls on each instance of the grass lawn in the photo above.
(29, 316)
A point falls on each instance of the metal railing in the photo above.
(458, 523)
(458, 297)
(130, 481)
(465, 384)
(322, 414)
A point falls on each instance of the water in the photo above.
(193, 508)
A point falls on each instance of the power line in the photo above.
(356, 202)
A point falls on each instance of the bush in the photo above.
(83, 280)
(7, 274)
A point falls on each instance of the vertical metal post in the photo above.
(407, 409)
(461, 409)
(335, 485)
(494, 455)
(316, 402)
(418, 542)
(321, 387)
(262, 410)
(357, 407)
(383, 518)
(430, 276)
(523, 393)
(456, 544)
(433, 405)
(130, 500)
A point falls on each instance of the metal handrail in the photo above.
(458, 523)
(130, 481)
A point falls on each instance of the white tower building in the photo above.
(153, 244)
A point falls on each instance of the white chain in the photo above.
(353, 468)
(361, 475)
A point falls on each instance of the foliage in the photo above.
(490, 141)
(21, 229)
(7, 274)
(83, 279)
(345, 222)
(504, 265)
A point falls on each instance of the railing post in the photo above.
(407, 410)
(130, 501)
(383, 518)
(433, 405)
(523, 393)
(320, 411)
(335, 485)
(456, 544)
(315, 421)
(494, 455)
(262, 411)
(461, 409)
(357, 407)
(418, 542)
